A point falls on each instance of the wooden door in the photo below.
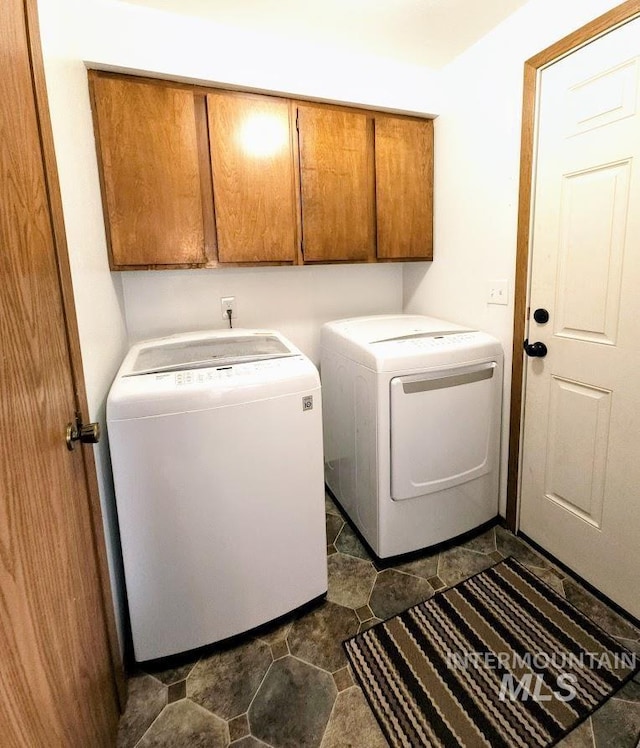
(148, 152)
(57, 676)
(404, 188)
(337, 184)
(580, 470)
(253, 171)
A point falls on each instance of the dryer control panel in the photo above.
(432, 350)
(430, 342)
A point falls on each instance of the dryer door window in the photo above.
(442, 424)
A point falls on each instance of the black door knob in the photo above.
(535, 350)
(541, 316)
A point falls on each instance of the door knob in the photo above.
(541, 316)
(88, 433)
(535, 350)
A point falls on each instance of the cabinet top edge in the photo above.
(204, 87)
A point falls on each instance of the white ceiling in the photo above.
(422, 32)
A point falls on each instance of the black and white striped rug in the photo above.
(500, 660)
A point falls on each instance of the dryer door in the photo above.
(442, 424)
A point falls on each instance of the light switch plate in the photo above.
(498, 292)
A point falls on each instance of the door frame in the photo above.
(532, 68)
(73, 339)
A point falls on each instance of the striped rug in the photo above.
(500, 660)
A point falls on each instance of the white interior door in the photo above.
(580, 485)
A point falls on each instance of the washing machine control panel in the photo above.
(236, 372)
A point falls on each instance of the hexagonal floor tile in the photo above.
(616, 724)
(330, 505)
(225, 682)
(179, 670)
(317, 637)
(631, 692)
(633, 645)
(348, 542)
(293, 705)
(147, 697)
(186, 723)
(550, 577)
(350, 580)
(509, 545)
(602, 614)
(248, 742)
(581, 737)
(484, 543)
(457, 564)
(394, 592)
(424, 567)
(334, 525)
(352, 725)
(275, 632)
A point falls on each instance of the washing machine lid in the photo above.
(208, 349)
(204, 370)
(403, 341)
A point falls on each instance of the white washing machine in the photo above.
(216, 446)
(412, 411)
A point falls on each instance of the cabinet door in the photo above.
(404, 187)
(253, 177)
(337, 184)
(148, 152)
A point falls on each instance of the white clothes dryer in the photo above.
(412, 415)
(216, 446)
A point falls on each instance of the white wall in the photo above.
(477, 158)
(120, 36)
(113, 35)
(295, 301)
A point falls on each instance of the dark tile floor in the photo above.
(289, 686)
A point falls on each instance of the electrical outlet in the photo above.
(228, 302)
(498, 292)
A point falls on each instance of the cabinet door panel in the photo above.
(404, 187)
(337, 184)
(148, 144)
(253, 177)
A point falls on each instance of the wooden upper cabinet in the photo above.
(195, 176)
(253, 170)
(147, 139)
(404, 187)
(336, 184)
